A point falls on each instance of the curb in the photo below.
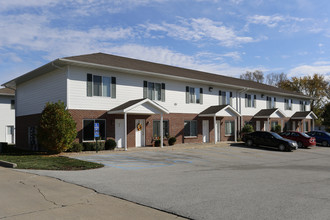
(7, 164)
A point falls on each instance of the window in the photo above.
(101, 86)
(154, 91)
(229, 128)
(194, 95)
(88, 129)
(190, 128)
(225, 97)
(12, 104)
(288, 104)
(306, 126)
(156, 129)
(303, 105)
(271, 102)
(250, 101)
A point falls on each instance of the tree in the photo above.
(326, 115)
(313, 86)
(256, 76)
(57, 129)
(275, 79)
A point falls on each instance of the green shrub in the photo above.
(110, 144)
(91, 146)
(76, 147)
(171, 141)
(277, 129)
(247, 128)
(57, 129)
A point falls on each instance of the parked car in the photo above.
(269, 139)
(321, 137)
(302, 139)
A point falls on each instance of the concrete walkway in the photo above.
(29, 196)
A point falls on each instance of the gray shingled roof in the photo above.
(134, 64)
(265, 112)
(126, 105)
(213, 109)
(7, 91)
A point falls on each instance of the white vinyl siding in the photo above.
(32, 95)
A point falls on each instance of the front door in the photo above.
(139, 132)
(205, 131)
(266, 126)
(257, 125)
(217, 131)
(293, 126)
(10, 135)
(119, 132)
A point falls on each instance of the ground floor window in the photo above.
(229, 128)
(306, 126)
(190, 128)
(88, 129)
(273, 125)
(156, 128)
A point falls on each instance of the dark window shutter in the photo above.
(246, 100)
(163, 92)
(231, 94)
(187, 94)
(220, 100)
(255, 101)
(113, 87)
(145, 89)
(201, 96)
(89, 84)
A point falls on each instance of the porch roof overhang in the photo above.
(220, 111)
(304, 115)
(270, 113)
(139, 106)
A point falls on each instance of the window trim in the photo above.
(90, 86)
(190, 136)
(153, 92)
(233, 126)
(91, 119)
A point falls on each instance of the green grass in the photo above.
(46, 162)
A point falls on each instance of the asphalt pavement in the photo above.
(214, 181)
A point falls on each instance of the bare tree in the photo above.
(256, 76)
(275, 79)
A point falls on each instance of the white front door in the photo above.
(266, 126)
(119, 132)
(293, 125)
(139, 132)
(205, 131)
(257, 125)
(10, 139)
(217, 131)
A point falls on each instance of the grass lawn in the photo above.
(46, 162)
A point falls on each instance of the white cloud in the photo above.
(273, 20)
(320, 67)
(199, 29)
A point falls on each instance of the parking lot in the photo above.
(215, 182)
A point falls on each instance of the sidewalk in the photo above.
(29, 196)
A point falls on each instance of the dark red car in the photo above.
(302, 139)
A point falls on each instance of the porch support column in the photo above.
(235, 137)
(313, 124)
(161, 131)
(215, 128)
(125, 130)
(304, 125)
(282, 123)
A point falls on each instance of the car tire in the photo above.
(300, 144)
(324, 143)
(249, 143)
(281, 147)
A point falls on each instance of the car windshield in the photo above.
(276, 135)
(304, 135)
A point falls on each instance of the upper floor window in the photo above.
(225, 97)
(101, 86)
(12, 104)
(194, 95)
(271, 102)
(154, 91)
(287, 104)
(250, 101)
(303, 105)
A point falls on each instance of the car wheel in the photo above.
(281, 147)
(300, 145)
(249, 143)
(324, 143)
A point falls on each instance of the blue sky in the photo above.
(224, 37)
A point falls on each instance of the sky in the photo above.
(227, 37)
